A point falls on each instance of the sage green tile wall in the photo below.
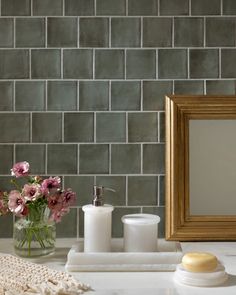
(82, 86)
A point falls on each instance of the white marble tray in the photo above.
(168, 256)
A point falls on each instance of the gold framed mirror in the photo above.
(200, 168)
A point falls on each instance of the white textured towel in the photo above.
(20, 277)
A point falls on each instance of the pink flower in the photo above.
(50, 184)
(57, 215)
(68, 197)
(20, 169)
(55, 201)
(16, 203)
(31, 191)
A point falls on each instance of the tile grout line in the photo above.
(158, 127)
(158, 191)
(31, 8)
(30, 62)
(109, 32)
(93, 50)
(14, 96)
(221, 7)
(141, 95)
(189, 7)
(109, 96)
(126, 190)
(0, 7)
(158, 8)
(14, 154)
(78, 223)
(220, 64)
(126, 128)
(125, 63)
(77, 95)
(188, 63)
(204, 87)
(78, 32)
(46, 95)
(122, 16)
(141, 158)
(46, 32)
(46, 158)
(157, 60)
(204, 32)
(173, 33)
(63, 7)
(126, 8)
(95, 7)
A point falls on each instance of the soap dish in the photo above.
(169, 254)
(201, 279)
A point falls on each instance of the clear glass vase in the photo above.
(34, 235)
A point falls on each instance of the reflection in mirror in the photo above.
(212, 167)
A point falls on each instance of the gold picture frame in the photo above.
(180, 224)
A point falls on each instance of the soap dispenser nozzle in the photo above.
(98, 191)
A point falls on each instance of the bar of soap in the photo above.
(199, 262)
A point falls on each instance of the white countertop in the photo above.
(143, 283)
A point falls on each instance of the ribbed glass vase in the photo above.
(34, 235)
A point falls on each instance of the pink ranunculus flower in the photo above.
(20, 169)
(69, 197)
(50, 184)
(31, 191)
(55, 201)
(16, 203)
(57, 215)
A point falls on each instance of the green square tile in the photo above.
(14, 64)
(142, 127)
(6, 94)
(142, 7)
(16, 7)
(6, 228)
(47, 7)
(110, 127)
(62, 32)
(160, 211)
(228, 69)
(125, 96)
(62, 159)
(78, 127)
(110, 7)
(11, 123)
(157, 32)
(62, 95)
(172, 63)
(30, 96)
(109, 64)
(6, 32)
(220, 32)
(125, 158)
(142, 190)
(30, 32)
(93, 32)
(189, 32)
(162, 126)
(117, 183)
(220, 87)
(6, 158)
(79, 7)
(34, 155)
(154, 93)
(162, 191)
(117, 225)
(83, 186)
(46, 127)
(153, 158)
(125, 32)
(206, 7)
(94, 159)
(189, 87)
(173, 7)
(78, 64)
(229, 7)
(67, 228)
(93, 95)
(46, 63)
(204, 63)
(141, 64)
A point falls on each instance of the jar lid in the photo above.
(140, 219)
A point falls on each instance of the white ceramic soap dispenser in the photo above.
(97, 223)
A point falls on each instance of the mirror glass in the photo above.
(212, 167)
